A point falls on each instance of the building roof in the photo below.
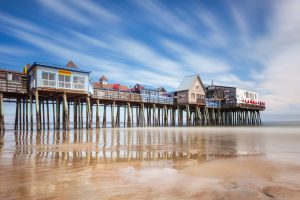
(58, 67)
(144, 87)
(161, 89)
(115, 86)
(71, 64)
(188, 81)
(10, 71)
(103, 78)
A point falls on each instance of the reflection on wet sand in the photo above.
(123, 145)
(150, 163)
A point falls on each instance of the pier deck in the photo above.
(117, 108)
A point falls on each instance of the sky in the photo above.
(251, 44)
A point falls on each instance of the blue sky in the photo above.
(251, 44)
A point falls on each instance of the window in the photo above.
(48, 79)
(78, 82)
(247, 94)
(198, 96)
(64, 81)
(2, 76)
(12, 77)
(48, 76)
(193, 95)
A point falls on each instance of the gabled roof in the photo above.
(188, 81)
(103, 78)
(58, 67)
(161, 89)
(71, 64)
(144, 87)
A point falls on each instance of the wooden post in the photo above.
(81, 114)
(259, 117)
(128, 115)
(178, 116)
(57, 113)
(124, 122)
(17, 114)
(20, 114)
(43, 113)
(137, 116)
(173, 116)
(219, 117)
(31, 112)
(118, 115)
(68, 118)
(97, 114)
(154, 116)
(48, 115)
(158, 116)
(166, 116)
(27, 113)
(88, 113)
(150, 115)
(87, 108)
(104, 116)
(112, 113)
(142, 115)
(188, 119)
(200, 116)
(65, 112)
(53, 113)
(75, 114)
(23, 116)
(207, 116)
(132, 124)
(38, 124)
(2, 125)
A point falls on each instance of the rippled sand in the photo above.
(152, 163)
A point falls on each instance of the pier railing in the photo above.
(13, 83)
(243, 105)
(131, 97)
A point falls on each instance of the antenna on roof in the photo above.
(212, 82)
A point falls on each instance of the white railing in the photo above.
(48, 83)
(63, 84)
(78, 86)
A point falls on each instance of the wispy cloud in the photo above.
(194, 60)
(163, 18)
(96, 10)
(71, 13)
(240, 19)
(279, 52)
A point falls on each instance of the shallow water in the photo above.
(152, 163)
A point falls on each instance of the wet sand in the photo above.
(152, 163)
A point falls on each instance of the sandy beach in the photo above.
(152, 163)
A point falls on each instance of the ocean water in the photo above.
(152, 163)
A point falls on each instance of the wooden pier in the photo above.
(50, 107)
